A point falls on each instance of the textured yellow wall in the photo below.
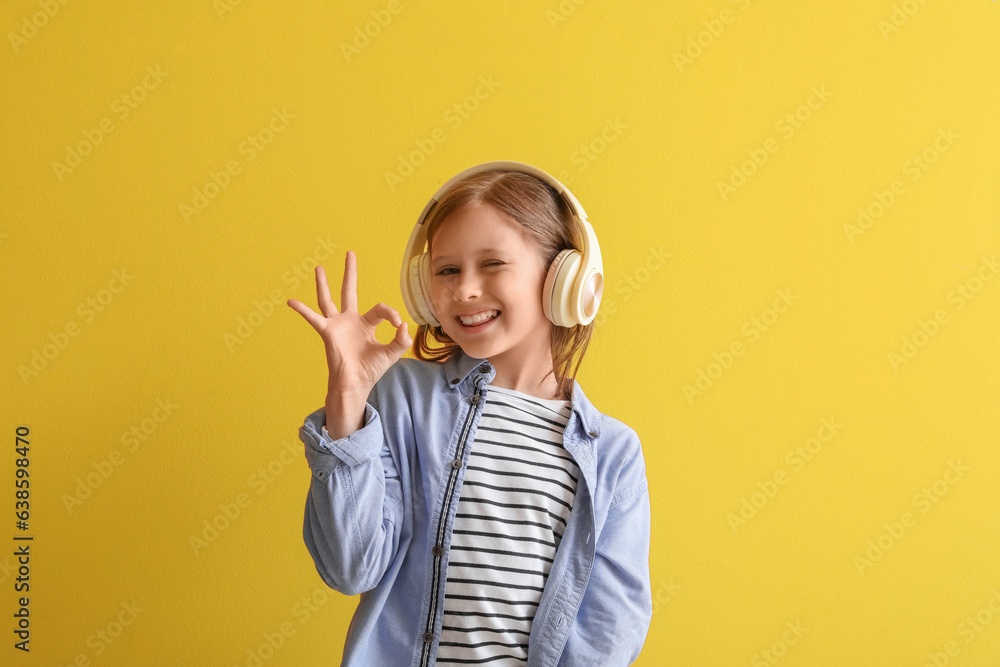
(798, 205)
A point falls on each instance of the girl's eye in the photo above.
(447, 271)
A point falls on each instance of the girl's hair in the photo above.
(546, 220)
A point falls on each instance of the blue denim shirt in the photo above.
(381, 506)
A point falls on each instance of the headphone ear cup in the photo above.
(425, 288)
(557, 293)
(591, 291)
(420, 287)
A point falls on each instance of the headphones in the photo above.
(574, 282)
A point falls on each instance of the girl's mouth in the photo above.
(478, 321)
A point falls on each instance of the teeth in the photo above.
(478, 318)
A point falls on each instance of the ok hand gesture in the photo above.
(356, 359)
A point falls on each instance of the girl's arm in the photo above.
(354, 505)
(355, 498)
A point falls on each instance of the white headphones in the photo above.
(574, 282)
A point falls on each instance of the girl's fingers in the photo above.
(311, 316)
(381, 311)
(326, 304)
(401, 342)
(349, 290)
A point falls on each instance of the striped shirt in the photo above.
(515, 501)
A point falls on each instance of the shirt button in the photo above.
(428, 637)
(456, 464)
(484, 369)
(454, 381)
(593, 434)
(438, 550)
(474, 399)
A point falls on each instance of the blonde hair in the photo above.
(546, 220)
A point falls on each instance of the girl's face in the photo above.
(482, 266)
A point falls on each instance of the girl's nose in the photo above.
(467, 286)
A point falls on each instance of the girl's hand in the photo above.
(356, 359)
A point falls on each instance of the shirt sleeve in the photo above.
(354, 503)
(617, 608)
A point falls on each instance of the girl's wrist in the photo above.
(345, 414)
(345, 397)
(350, 393)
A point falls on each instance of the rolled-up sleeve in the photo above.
(354, 503)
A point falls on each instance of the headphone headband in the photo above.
(506, 165)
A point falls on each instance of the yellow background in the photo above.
(643, 110)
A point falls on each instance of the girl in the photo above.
(485, 509)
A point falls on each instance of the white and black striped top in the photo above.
(515, 501)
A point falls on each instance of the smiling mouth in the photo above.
(478, 318)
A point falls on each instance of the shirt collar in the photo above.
(460, 366)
